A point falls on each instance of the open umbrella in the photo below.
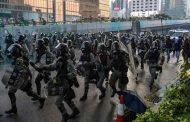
(133, 101)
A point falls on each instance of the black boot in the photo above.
(156, 76)
(13, 110)
(75, 113)
(161, 69)
(84, 97)
(42, 101)
(65, 117)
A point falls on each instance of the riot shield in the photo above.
(6, 77)
(126, 46)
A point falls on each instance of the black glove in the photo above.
(39, 69)
(76, 83)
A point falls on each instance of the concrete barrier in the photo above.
(87, 27)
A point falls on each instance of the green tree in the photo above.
(175, 106)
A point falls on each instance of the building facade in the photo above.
(89, 8)
(104, 8)
(145, 8)
(119, 8)
(11, 8)
(175, 9)
(54, 10)
(187, 8)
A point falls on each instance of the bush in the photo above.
(175, 106)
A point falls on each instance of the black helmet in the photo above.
(15, 50)
(62, 50)
(115, 38)
(69, 43)
(34, 35)
(40, 45)
(65, 40)
(49, 35)
(95, 43)
(21, 39)
(154, 44)
(109, 42)
(9, 35)
(101, 47)
(46, 41)
(115, 45)
(42, 35)
(180, 37)
(86, 47)
(40, 42)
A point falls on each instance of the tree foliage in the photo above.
(162, 16)
(175, 106)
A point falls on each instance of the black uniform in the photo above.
(20, 79)
(153, 57)
(102, 67)
(119, 66)
(41, 50)
(87, 60)
(8, 41)
(141, 52)
(65, 79)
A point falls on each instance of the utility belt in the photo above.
(63, 88)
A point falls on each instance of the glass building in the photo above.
(175, 8)
(53, 10)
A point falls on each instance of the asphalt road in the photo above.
(92, 110)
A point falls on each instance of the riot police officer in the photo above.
(102, 67)
(186, 50)
(88, 61)
(65, 79)
(43, 49)
(21, 41)
(1, 57)
(94, 46)
(142, 48)
(177, 44)
(71, 51)
(21, 78)
(153, 57)
(168, 47)
(8, 41)
(119, 66)
(109, 44)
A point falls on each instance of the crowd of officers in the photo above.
(102, 59)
